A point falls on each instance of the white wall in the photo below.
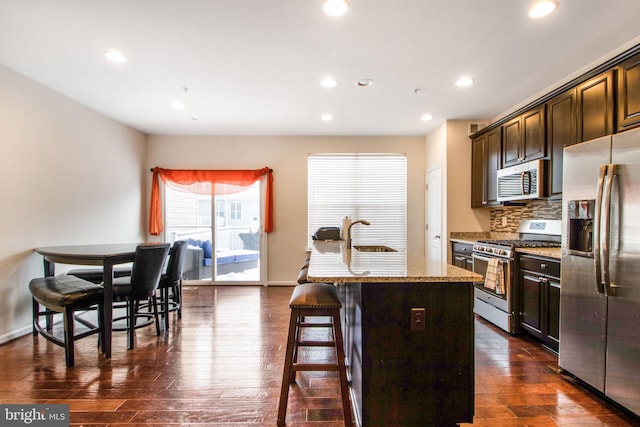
(449, 147)
(287, 156)
(460, 216)
(68, 175)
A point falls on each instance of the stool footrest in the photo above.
(316, 343)
(314, 367)
(50, 336)
(315, 325)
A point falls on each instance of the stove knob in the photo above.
(489, 250)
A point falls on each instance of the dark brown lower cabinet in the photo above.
(401, 376)
(461, 255)
(540, 298)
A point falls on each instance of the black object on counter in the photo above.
(327, 233)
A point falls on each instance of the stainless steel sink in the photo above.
(374, 248)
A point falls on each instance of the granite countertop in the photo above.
(548, 252)
(332, 262)
(473, 236)
(460, 240)
(468, 237)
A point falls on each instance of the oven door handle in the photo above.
(484, 258)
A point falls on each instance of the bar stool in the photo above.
(311, 300)
(67, 295)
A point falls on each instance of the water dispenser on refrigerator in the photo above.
(580, 237)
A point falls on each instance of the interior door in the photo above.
(434, 214)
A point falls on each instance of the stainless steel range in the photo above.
(496, 299)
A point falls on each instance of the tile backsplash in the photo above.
(507, 219)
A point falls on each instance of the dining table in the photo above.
(105, 255)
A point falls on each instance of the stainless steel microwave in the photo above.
(521, 182)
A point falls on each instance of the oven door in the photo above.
(496, 308)
(480, 263)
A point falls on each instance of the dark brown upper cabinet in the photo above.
(485, 162)
(629, 94)
(601, 102)
(561, 132)
(595, 107)
(524, 137)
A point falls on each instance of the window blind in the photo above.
(362, 186)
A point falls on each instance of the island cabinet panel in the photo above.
(407, 374)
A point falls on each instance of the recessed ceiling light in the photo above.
(464, 81)
(543, 8)
(364, 82)
(336, 7)
(326, 117)
(177, 105)
(426, 117)
(115, 56)
(328, 82)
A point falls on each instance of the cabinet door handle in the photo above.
(543, 266)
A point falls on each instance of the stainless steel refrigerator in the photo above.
(600, 278)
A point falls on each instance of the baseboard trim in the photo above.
(10, 336)
(290, 283)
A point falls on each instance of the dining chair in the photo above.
(170, 285)
(146, 271)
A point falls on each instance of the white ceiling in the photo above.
(253, 67)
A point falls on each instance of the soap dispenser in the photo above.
(346, 222)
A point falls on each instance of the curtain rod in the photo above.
(270, 170)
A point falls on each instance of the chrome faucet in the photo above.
(348, 236)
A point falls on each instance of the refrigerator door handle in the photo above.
(596, 229)
(609, 290)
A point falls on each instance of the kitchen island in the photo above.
(409, 335)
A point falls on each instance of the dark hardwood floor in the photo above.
(221, 365)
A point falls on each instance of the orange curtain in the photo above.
(188, 177)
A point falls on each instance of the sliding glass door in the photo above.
(224, 231)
